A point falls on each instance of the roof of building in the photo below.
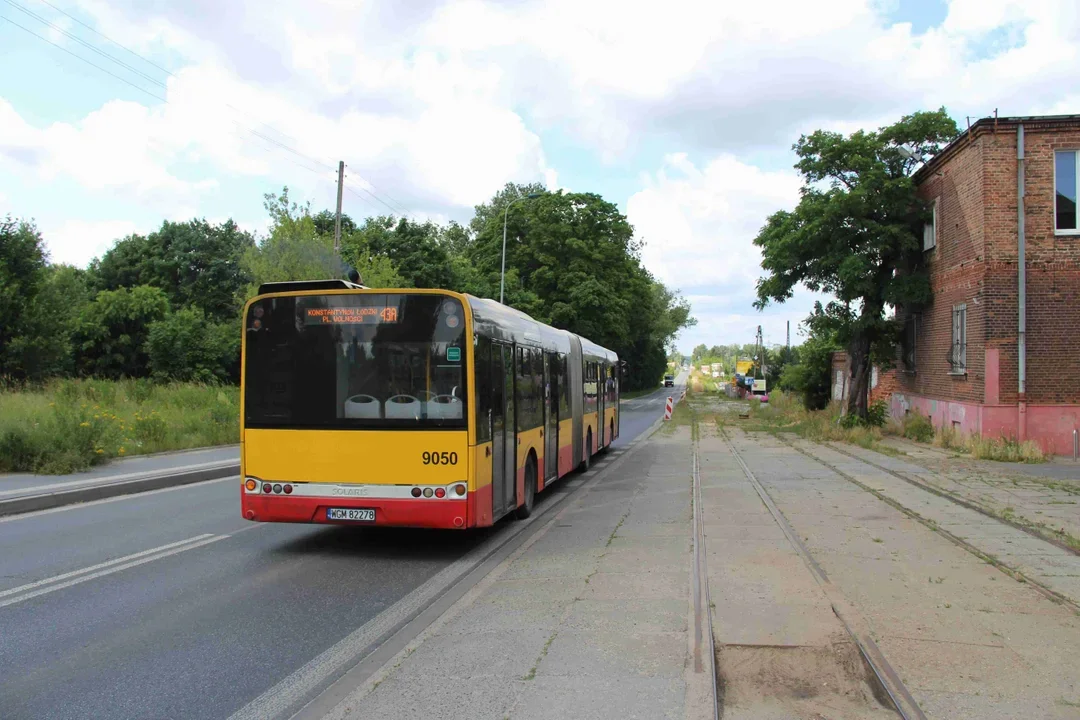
(990, 124)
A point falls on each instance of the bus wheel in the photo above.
(588, 452)
(530, 489)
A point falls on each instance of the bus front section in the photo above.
(355, 409)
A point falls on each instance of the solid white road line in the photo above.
(59, 582)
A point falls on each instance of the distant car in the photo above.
(669, 381)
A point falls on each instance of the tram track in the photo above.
(704, 639)
(945, 495)
(889, 683)
(990, 559)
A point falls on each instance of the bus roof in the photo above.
(501, 322)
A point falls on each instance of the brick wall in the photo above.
(956, 276)
(975, 262)
(1053, 269)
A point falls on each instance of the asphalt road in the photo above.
(168, 605)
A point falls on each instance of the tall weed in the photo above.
(70, 425)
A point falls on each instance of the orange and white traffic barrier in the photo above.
(668, 408)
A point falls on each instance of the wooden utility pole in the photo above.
(337, 217)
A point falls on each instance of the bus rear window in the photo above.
(355, 361)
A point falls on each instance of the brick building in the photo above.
(962, 361)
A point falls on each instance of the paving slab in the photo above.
(967, 639)
(588, 620)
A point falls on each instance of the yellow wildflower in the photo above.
(99, 451)
(121, 451)
(84, 424)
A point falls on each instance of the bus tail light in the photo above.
(251, 485)
(277, 488)
(439, 493)
(459, 489)
(267, 487)
(416, 492)
(427, 492)
(287, 489)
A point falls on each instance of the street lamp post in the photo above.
(506, 213)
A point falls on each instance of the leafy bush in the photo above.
(918, 427)
(186, 347)
(809, 377)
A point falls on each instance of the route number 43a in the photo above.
(439, 458)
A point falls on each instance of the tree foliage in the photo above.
(856, 235)
(23, 261)
(808, 374)
(196, 263)
(186, 346)
(166, 305)
(111, 331)
(572, 262)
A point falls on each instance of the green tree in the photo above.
(45, 348)
(809, 373)
(572, 262)
(856, 234)
(415, 249)
(196, 263)
(294, 249)
(698, 353)
(111, 331)
(23, 261)
(185, 346)
(324, 223)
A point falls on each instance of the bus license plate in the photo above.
(355, 514)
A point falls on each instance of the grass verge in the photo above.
(70, 425)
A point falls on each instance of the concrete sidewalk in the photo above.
(589, 619)
(24, 492)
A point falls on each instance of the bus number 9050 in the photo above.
(439, 458)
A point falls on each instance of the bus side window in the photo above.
(540, 387)
(482, 375)
(564, 388)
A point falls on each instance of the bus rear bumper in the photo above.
(419, 512)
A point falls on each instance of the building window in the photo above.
(911, 333)
(1065, 175)
(958, 353)
(929, 232)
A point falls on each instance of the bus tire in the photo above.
(587, 460)
(526, 508)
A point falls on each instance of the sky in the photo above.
(118, 114)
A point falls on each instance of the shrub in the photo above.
(918, 427)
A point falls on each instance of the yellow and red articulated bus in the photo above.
(416, 408)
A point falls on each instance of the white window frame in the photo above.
(929, 233)
(958, 346)
(1076, 161)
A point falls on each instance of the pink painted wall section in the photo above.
(943, 413)
(992, 384)
(1051, 426)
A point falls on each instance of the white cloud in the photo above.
(438, 104)
(699, 224)
(77, 242)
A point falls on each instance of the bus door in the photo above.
(503, 438)
(551, 417)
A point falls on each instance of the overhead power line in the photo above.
(329, 167)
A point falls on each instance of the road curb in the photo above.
(156, 481)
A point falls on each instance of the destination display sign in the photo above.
(363, 315)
